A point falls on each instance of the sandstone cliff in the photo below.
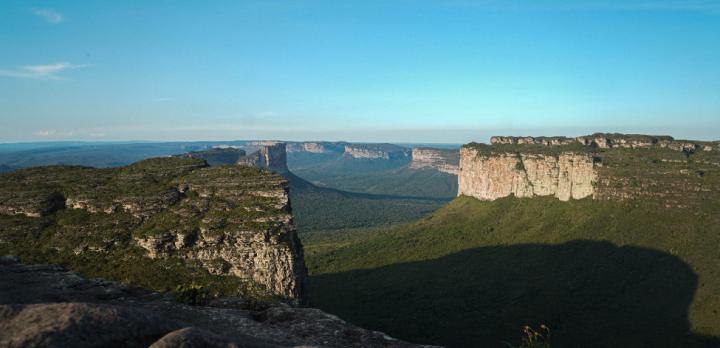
(377, 151)
(491, 176)
(446, 161)
(316, 147)
(272, 156)
(657, 169)
(231, 222)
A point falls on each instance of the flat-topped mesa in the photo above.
(228, 220)
(446, 161)
(618, 167)
(377, 151)
(273, 157)
(488, 176)
(316, 147)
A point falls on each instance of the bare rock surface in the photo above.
(271, 155)
(47, 306)
(376, 151)
(446, 161)
(619, 167)
(488, 177)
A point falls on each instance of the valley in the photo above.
(607, 239)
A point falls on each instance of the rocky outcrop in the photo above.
(488, 177)
(42, 305)
(230, 220)
(446, 161)
(233, 225)
(273, 157)
(377, 151)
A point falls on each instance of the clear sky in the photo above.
(422, 71)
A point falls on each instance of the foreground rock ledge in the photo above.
(45, 305)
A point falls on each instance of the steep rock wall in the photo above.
(273, 157)
(488, 177)
(377, 151)
(445, 161)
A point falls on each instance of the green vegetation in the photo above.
(599, 273)
(486, 149)
(317, 209)
(140, 200)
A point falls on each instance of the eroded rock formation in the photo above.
(657, 169)
(315, 147)
(230, 220)
(272, 156)
(488, 177)
(376, 151)
(446, 161)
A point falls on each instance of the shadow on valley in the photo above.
(320, 209)
(590, 294)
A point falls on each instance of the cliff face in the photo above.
(273, 157)
(488, 177)
(229, 221)
(377, 151)
(446, 161)
(605, 166)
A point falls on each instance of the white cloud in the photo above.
(40, 72)
(50, 16)
(53, 133)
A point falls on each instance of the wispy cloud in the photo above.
(53, 133)
(41, 72)
(50, 16)
(162, 99)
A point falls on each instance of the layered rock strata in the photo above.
(446, 161)
(315, 147)
(377, 151)
(618, 167)
(488, 177)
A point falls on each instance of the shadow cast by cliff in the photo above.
(591, 294)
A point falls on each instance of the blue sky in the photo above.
(419, 71)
